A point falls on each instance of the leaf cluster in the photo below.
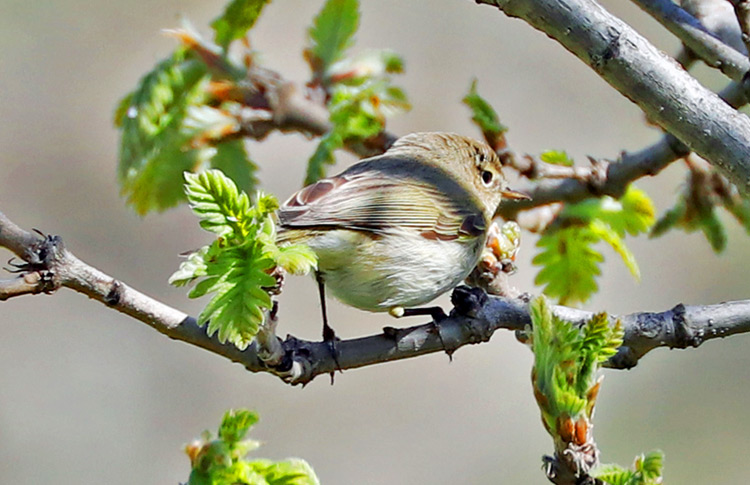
(569, 260)
(238, 266)
(697, 207)
(172, 122)
(566, 359)
(647, 470)
(222, 460)
(359, 90)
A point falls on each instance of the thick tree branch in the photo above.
(473, 320)
(656, 83)
(697, 38)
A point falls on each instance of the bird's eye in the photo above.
(487, 177)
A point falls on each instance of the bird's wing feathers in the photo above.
(375, 202)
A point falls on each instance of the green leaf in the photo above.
(638, 213)
(632, 214)
(296, 259)
(290, 472)
(237, 276)
(652, 465)
(556, 157)
(236, 424)
(647, 471)
(610, 236)
(332, 32)
(153, 150)
(484, 116)
(215, 198)
(190, 269)
(567, 356)
(569, 264)
(238, 18)
(236, 267)
(714, 231)
(223, 461)
(613, 475)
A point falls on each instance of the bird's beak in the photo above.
(515, 195)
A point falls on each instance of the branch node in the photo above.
(684, 334)
(112, 298)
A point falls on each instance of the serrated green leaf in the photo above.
(484, 115)
(237, 277)
(556, 157)
(221, 207)
(238, 18)
(296, 259)
(638, 212)
(632, 214)
(610, 236)
(652, 465)
(332, 32)
(569, 264)
(567, 357)
(613, 475)
(236, 424)
(153, 150)
(190, 269)
(223, 461)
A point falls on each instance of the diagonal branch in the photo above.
(473, 320)
(689, 30)
(742, 12)
(663, 90)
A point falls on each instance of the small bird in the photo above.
(397, 230)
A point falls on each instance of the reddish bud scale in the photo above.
(581, 431)
(565, 428)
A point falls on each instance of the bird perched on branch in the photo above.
(397, 230)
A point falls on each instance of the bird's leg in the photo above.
(435, 312)
(329, 335)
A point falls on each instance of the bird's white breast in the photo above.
(400, 269)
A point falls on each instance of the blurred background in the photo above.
(91, 396)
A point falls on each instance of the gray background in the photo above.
(90, 396)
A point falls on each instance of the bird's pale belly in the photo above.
(397, 270)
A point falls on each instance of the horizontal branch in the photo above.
(667, 94)
(474, 319)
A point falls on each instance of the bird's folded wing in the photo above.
(372, 201)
